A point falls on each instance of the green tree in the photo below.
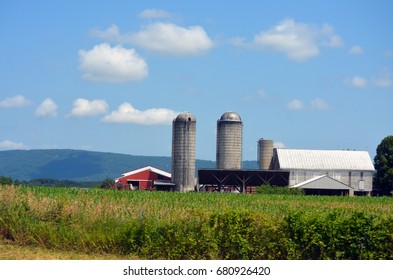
(107, 183)
(383, 161)
(6, 180)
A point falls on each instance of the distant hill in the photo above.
(79, 165)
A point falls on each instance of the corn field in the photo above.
(170, 225)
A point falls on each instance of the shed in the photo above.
(144, 178)
(239, 179)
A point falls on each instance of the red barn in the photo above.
(144, 178)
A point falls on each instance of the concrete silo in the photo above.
(183, 152)
(229, 141)
(265, 153)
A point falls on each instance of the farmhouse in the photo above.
(326, 172)
(145, 178)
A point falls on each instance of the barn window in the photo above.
(361, 185)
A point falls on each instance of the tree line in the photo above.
(6, 180)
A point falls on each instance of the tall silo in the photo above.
(265, 153)
(183, 152)
(229, 141)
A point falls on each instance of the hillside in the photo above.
(78, 165)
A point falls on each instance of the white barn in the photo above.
(338, 172)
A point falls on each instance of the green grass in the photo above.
(162, 225)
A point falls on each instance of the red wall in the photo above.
(142, 177)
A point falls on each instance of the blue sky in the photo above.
(111, 75)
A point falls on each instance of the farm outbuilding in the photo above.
(239, 180)
(145, 178)
(326, 171)
(324, 185)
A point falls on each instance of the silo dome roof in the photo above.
(230, 116)
(185, 117)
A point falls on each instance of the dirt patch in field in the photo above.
(11, 251)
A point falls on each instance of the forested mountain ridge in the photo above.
(80, 165)
(76, 165)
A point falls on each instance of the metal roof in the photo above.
(324, 160)
(150, 168)
(230, 116)
(184, 117)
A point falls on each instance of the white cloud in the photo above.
(111, 33)
(260, 94)
(385, 79)
(299, 41)
(278, 145)
(154, 13)
(327, 37)
(15, 102)
(164, 38)
(47, 109)
(126, 113)
(356, 81)
(319, 104)
(356, 50)
(295, 105)
(10, 145)
(106, 64)
(171, 39)
(85, 108)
